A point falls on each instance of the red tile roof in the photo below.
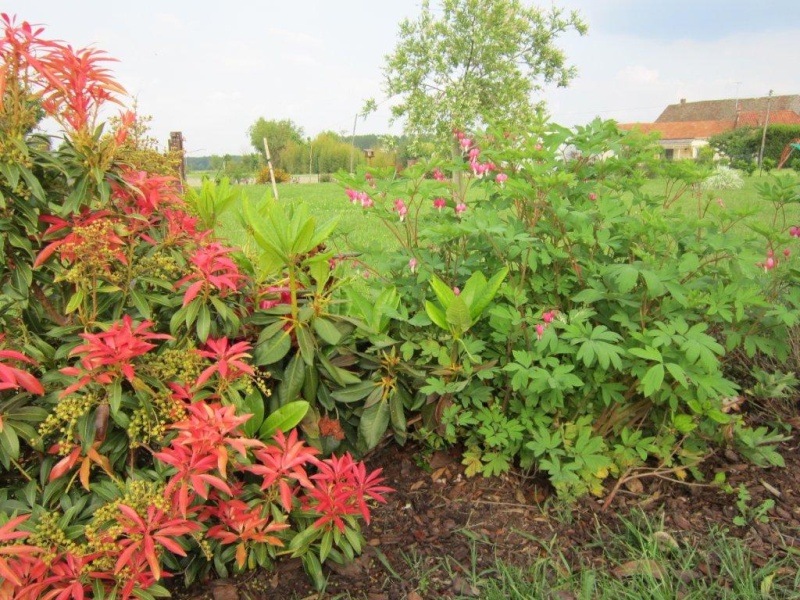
(682, 130)
(753, 118)
(720, 110)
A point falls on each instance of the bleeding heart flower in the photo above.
(460, 208)
(592, 196)
(412, 265)
(457, 291)
(439, 203)
(501, 178)
(539, 331)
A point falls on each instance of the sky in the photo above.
(211, 69)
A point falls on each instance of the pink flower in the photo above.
(460, 208)
(401, 208)
(438, 175)
(786, 252)
(412, 265)
(592, 196)
(770, 264)
(439, 203)
(794, 232)
(352, 194)
(539, 331)
(465, 142)
(473, 153)
(501, 178)
(548, 317)
(457, 291)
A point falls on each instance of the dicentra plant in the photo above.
(612, 339)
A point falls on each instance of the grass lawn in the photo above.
(358, 229)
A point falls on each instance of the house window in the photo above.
(669, 153)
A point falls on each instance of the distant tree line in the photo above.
(293, 152)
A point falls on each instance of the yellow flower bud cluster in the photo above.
(49, 536)
(179, 365)
(63, 420)
(150, 420)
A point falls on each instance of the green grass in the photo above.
(641, 561)
(358, 229)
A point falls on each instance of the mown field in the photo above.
(359, 228)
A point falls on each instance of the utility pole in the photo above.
(271, 172)
(764, 137)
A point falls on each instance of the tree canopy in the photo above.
(279, 134)
(473, 62)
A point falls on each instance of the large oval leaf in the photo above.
(287, 417)
(373, 424)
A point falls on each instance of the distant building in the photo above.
(687, 126)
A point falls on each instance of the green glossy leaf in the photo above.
(457, 315)
(373, 424)
(293, 376)
(305, 342)
(286, 418)
(253, 405)
(442, 291)
(484, 297)
(272, 350)
(327, 331)
(436, 315)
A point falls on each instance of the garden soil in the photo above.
(439, 524)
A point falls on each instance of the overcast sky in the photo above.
(210, 69)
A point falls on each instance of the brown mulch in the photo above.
(437, 512)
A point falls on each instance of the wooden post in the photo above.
(176, 145)
(271, 172)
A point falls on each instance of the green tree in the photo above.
(472, 62)
(278, 134)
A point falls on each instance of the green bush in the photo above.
(610, 340)
(281, 176)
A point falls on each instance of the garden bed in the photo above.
(443, 535)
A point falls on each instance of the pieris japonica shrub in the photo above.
(137, 437)
(566, 319)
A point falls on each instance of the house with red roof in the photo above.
(687, 126)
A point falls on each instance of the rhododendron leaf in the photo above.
(356, 392)
(272, 350)
(442, 291)
(458, 315)
(373, 424)
(327, 331)
(305, 343)
(472, 288)
(397, 412)
(485, 295)
(286, 418)
(436, 315)
(293, 376)
(254, 405)
(304, 235)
